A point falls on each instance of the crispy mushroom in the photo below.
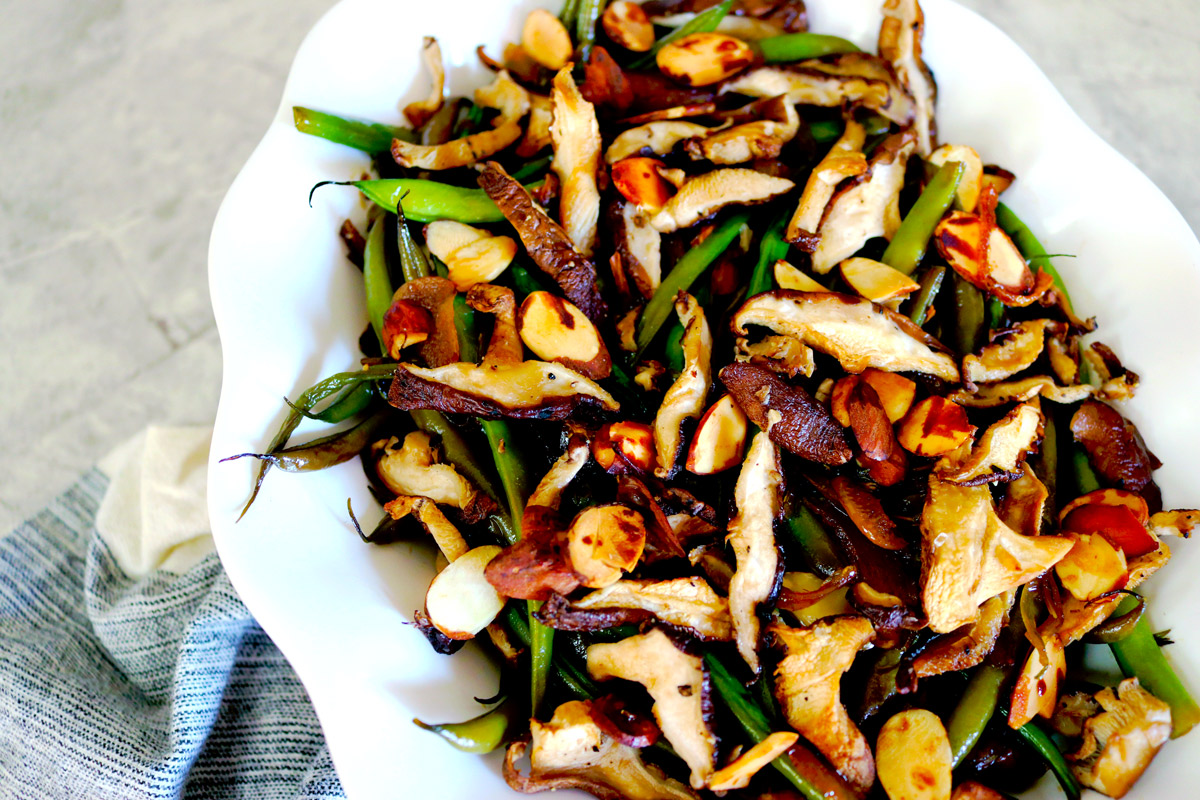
(866, 206)
(858, 333)
(576, 138)
(419, 112)
(844, 160)
(1114, 446)
(505, 95)
(457, 152)
(1000, 451)
(969, 555)
(444, 534)
(686, 603)
(780, 354)
(762, 138)
(969, 645)
(685, 399)
(900, 43)
(537, 129)
(832, 81)
(572, 752)
(808, 685)
(435, 295)
(638, 248)
(704, 195)
(413, 469)
(1001, 394)
(657, 138)
(758, 496)
(1009, 352)
(1121, 741)
(545, 240)
(794, 420)
(679, 686)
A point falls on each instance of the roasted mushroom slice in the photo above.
(457, 152)
(844, 160)
(1120, 742)
(576, 138)
(762, 138)
(679, 685)
(444, 534)
(537, 129)
(435, 295)
(572, 752)
(638, 256)
(657, 138)
(866, 206)
(848, 79)
(413, 469)
(999, 453)
(686, 603)
(793, 419)
(685, 399)
(758, 496)
(808, 685)
(1114, 446)
(781, 354)
(1001, 394)
(545, 240)
(1009, 352)
(704, 195)
(505, 95)
(969, 645)
(418, 113)
(969, 555)
(858, 333)
(900, 43)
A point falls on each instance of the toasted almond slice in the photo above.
(737, 774)
(896, 392)
(913, 757)
(1036, 690)
(556, 330)
(1093, 567)
(460, 601)
(875, 280)
(444, 236)
(546, 39)
(633, 441)
(640, 181)
(480, 261)
(935, 426)
(603, 542)
(701, 59)
(789, 277)
(628, 26)
(720, 438)
(971, 183)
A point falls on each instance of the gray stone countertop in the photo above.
(122, 122)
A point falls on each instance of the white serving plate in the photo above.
(289, 309)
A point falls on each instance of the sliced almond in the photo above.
(405, 323)
(789, 277)
(1093, 567)
(628, 26)
(618, 446)
(720, 439)
(971, 183)
(604, 542)
(444, 236)
(934, 427)
(701, 59)
(640, 181)
(896, 392)
(913, 757)
(481, 261)
(460, 601)
(1036, 690)
(556, 330)
(546, 39)
(875, 280)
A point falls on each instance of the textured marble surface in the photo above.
(123, 121)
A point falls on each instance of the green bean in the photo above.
(569, 13)
(576, 680)
(328, 451)
(683, 274)
(306, 401)
(413, 262)
(351, 401)
(772, 248)
(754, 723)
(376, 279)
(370, 137)
(931, 282)
(995, 313)
(974, 710)
(524, 282)
(799, 46)
(426, 201)
(1041, 742)
(908, 246)
(1119, 625)
(968, 315)
(1085, 477)
(814, 541)
(673, 348)
(533, 168)
(481, 734)
(703, 22)
(585, 26)
(826, 131)
(1031, 248)
(1139, 655)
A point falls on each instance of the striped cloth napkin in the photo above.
(129, 668)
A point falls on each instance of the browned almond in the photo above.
(604, 542)
(621, 447)
(546, 40)
(628, 26)
(913, 757)
(556, 330)
(701, 59)
(720, 439)
(935, 426)
(640, 181)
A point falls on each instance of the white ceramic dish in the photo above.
(289, 309)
